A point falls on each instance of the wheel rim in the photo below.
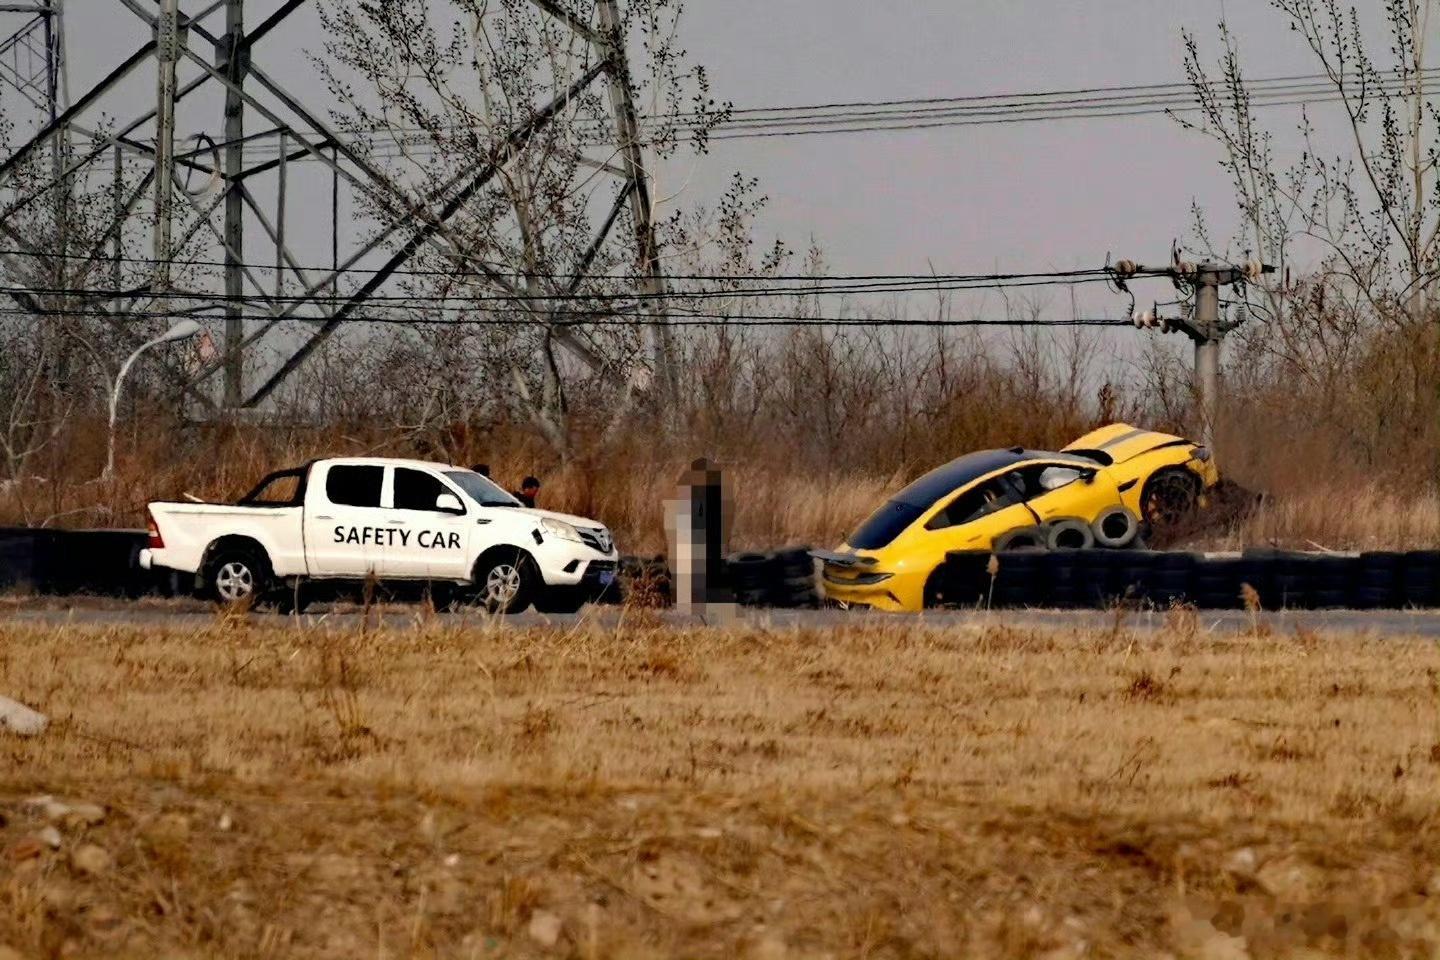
(1170, 500)
(502, 584)
(234, 581)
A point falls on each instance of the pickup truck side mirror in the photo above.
(448, 503)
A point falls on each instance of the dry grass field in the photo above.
(876, 791)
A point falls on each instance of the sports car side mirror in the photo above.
(1088, 476)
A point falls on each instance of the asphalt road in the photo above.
(1424, 623)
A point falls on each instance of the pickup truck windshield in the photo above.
(481, 490)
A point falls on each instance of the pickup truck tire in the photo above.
(506, 582)
(236, 574)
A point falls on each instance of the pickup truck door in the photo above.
(345, 527)
(431, 543)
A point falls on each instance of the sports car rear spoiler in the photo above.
(842, 559)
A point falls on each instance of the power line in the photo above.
(684, 320)
(1057, 276)
(924, 113)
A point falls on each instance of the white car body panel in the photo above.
(325, 540)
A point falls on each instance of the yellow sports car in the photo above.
(1104, 488)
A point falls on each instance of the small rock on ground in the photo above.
(545, 928)
(19, 719)
(90, 859)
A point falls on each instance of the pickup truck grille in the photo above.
(597, 537)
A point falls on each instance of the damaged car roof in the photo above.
(962, 470)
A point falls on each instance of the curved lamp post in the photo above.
(182, 330)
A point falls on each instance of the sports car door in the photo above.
(1059, 491)
(976, 516)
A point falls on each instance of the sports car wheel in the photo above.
(1169, 498)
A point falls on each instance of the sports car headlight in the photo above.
(561, 529)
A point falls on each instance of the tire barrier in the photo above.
(785, 578)
(103, 562)
(1272, 579)
(1116, 528)
(1069, 534)
(781, 578)
(64, 562)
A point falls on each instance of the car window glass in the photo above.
(354, 486)
(1053, 478)
(1039, 479)
(987, 498)
(416, 490)
(882, 527)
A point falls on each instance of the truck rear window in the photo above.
(354, 486)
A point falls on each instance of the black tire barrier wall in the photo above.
(103, 562)
(1275, 579)
(781, 578)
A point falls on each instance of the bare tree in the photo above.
(1373, 210)
(546, 252)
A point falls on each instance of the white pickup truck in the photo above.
(351, 519)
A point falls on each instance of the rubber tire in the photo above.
(251, 559)
(1021, 538)
(1116, 541)
(752, 598)
(1062, 533)
(529, 584)
(1164, 476)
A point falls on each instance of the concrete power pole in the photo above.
(1206, 332)
(234, 61)
(1205, 326)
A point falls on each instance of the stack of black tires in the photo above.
(1273, 579)
(785, 578)
(98, 562)
(780, 578)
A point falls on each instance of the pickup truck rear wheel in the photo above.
(506, 583)
(236, 575)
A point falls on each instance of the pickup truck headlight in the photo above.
(561, 529)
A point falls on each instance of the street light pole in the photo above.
(182, 330)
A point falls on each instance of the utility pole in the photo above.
(233, 59)
(167, 51)
(1207, 332)
(1203, 324)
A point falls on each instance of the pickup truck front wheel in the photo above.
(506, 583)
(236, 575)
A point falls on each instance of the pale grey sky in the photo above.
(1029, 196)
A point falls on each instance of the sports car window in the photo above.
(354, 486)
(416, 490)
(1039, 479)
(989, 497)
(884, 525)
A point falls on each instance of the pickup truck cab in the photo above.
(354, 518)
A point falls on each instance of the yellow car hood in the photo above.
(1122, 442)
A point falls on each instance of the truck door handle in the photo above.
(396, 523)
(324, 518)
